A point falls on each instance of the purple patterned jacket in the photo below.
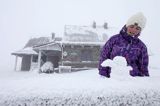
(132, 48)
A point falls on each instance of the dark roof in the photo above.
(37, 41)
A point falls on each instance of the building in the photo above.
(79, 47)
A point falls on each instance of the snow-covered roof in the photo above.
(25, 51)
(86, 34)
(50, 46)
(83, 43)
(74, 35)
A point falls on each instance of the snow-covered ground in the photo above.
(86, 88)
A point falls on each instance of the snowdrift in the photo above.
(78, 88)
(82, 88)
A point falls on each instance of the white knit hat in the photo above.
(138, 18)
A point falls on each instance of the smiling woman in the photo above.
(128, 45)
(133, 29)
(135, 24)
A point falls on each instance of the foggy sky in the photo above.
(21, 20)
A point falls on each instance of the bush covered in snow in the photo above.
(47, 67)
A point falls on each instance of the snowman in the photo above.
(119, 67)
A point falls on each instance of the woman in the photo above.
(128, 45)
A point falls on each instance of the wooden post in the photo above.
(39, 59)
(15, 66)
(31, 62)
(62, 55)
(59, 69)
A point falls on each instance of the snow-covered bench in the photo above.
(64, 69)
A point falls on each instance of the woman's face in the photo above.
(133, 30)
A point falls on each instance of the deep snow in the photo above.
(80, 88)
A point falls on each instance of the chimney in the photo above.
(94, 24)
(105, 25)
(53, 36)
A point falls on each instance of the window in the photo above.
(86, 55)
(35, 58)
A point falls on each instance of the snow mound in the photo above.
(118, 65)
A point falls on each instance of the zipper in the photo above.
(128, 46)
